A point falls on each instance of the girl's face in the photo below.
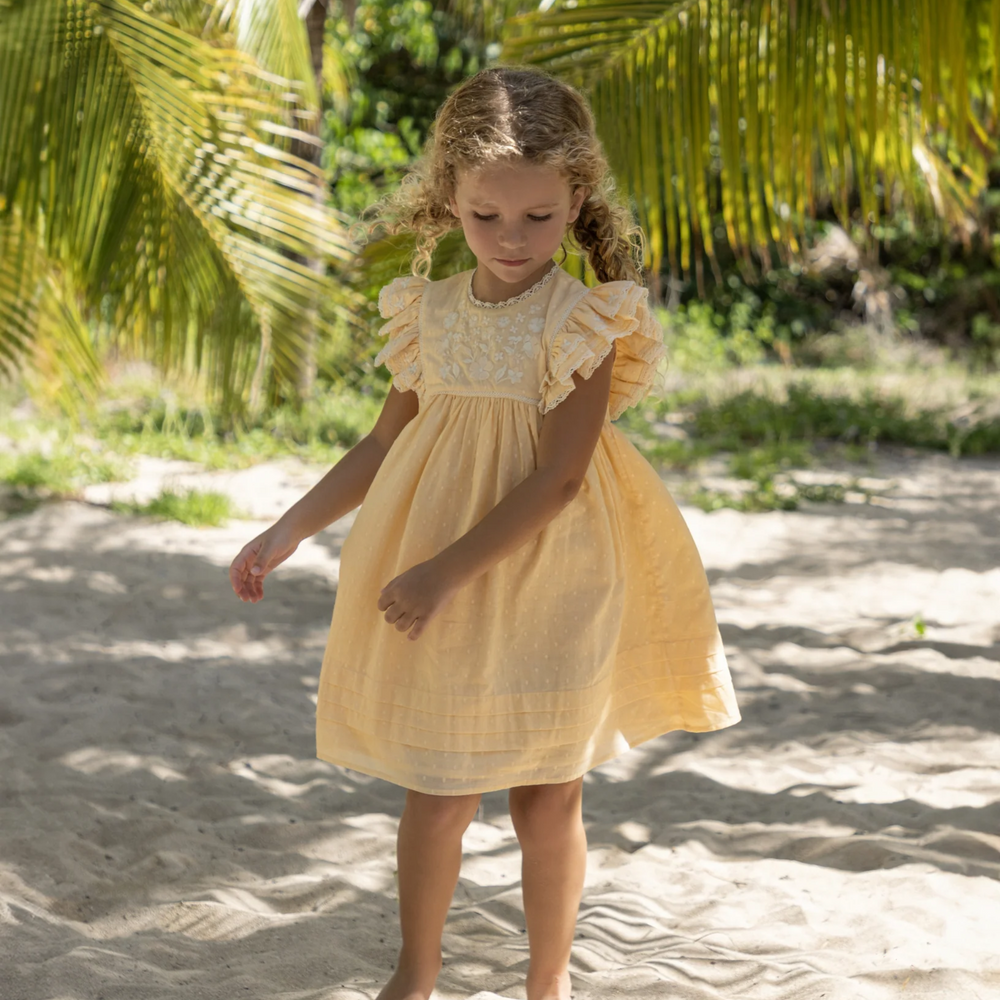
(514, 216)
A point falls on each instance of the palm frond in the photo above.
(273, 35)
(153, 166)
(42, 321)
(487, 17)
(761, 113)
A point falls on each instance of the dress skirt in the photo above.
(596, 635)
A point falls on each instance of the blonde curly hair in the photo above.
(510, 113)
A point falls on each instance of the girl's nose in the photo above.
(512, 238)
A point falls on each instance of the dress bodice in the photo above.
(485, 349)
(444, 341)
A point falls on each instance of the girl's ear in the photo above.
(576, 203)
(453, 205)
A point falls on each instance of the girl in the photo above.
(519, 597)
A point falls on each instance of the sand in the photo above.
(167, 831)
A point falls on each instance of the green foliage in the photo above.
(765, 461)
(195, 507)
(770, 493)
(805, 415)
(935, 290)
(60, 471)
(949, 291)
(797, 318)
(735, 124)
(402, 60)
(149, 196)
(779, 425)
(173, 421)
(701, 339)
(161, 424)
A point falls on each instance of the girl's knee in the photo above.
(443, 812)
(537, 808)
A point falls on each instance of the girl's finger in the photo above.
(240, 568)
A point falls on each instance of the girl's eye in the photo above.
(534, 218)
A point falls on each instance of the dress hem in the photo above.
(493, 786)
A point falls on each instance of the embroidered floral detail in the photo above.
(482, 348)
(399, 293)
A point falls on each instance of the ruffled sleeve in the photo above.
(614, 312)
(399, 302)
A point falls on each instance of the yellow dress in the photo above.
(595, 636)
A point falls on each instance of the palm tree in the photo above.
(767, 112)
(149, 197)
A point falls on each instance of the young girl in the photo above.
(519, 597)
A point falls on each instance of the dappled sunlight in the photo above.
(847, 770)
(253, 769)
(188, 333)
(93, 760)
(163, 752)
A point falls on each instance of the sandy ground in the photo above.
(166, 830)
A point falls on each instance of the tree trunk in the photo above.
(315, 20)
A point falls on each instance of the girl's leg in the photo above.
(428, 858)
(548, 821)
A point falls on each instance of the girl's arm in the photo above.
(566, 445)
(344, 487)
(336, 494)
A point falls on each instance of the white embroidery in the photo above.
(395, 296)
(482, 348)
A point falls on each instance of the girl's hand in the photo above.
(413, 598)
(257, 559)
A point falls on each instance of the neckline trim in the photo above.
(543, 280)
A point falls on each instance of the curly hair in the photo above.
(510, 113)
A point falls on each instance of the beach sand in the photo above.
(167, 831)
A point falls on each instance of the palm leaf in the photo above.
(767, 110)
(42, 320)
(152, 164)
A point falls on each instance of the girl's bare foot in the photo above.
(404, 984)
(550, 987)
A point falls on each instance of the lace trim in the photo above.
(543, 280)
(598, 360)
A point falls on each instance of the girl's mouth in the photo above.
(512, 263)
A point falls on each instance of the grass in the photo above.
(166, 422)
(62, 473)
(805, 415)
(44, 457)
(199, 508)
(55, 470)
(768, 421)
(764, 422)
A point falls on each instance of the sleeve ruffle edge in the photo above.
(615, 312)
(399, 302)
